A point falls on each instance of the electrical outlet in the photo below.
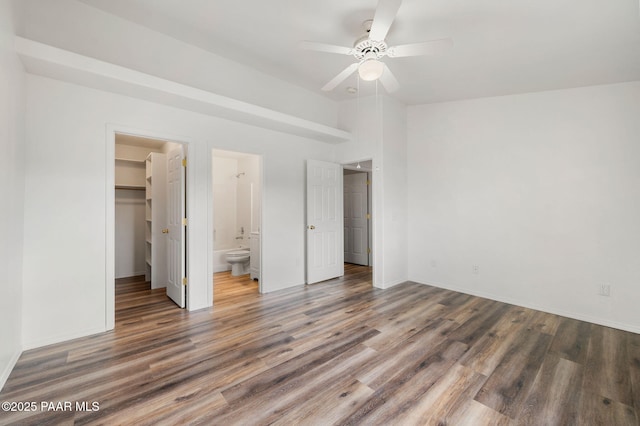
(605, 290)
(475, 269)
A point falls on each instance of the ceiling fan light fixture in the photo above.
(370, 69)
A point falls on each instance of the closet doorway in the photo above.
(150, 205)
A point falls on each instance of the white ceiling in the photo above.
(500, 46)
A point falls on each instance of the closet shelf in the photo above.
(155, 185)
(130, 160)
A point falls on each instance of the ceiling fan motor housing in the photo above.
(365, 45)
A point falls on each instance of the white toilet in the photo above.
(239, 260)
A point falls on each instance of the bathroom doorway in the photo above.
(357, 213)
(237, 218)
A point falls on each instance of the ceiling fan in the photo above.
(371, 47)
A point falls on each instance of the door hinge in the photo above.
(184, 281)
(368, 182)
(184, 162)
(184, 221)
(368, 251)
(368, 215)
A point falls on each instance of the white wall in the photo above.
(541, 191)
(12, 115)
(133, 152)
(249, 196)
(129, 173)
(394, 196)
(64, 256)
(225, 202)
(379, 128)
(129, 233)
(81, 28)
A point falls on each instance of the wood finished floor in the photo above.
(338, 352)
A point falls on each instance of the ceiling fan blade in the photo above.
(324, 47)
(432, 47)
(382, 20)
(340, 77)
(388, 80)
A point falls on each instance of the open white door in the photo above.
(325, 254)
(356, 227)
(175, 237)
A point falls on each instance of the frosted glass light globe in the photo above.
(370, 69)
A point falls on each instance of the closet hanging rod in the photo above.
(135, 188)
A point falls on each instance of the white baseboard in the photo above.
(9, 368)
(392, 283)
(221, 268)
(561, 312)
(130, 274)
(38, 343)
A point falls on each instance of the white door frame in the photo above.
(111, 130)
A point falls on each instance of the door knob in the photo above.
(165, 231)
(312, 227)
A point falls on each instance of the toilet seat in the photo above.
(238, 253)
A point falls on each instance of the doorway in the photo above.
(149, 213)
(236, 179)
(331, 226)
(357, 181)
